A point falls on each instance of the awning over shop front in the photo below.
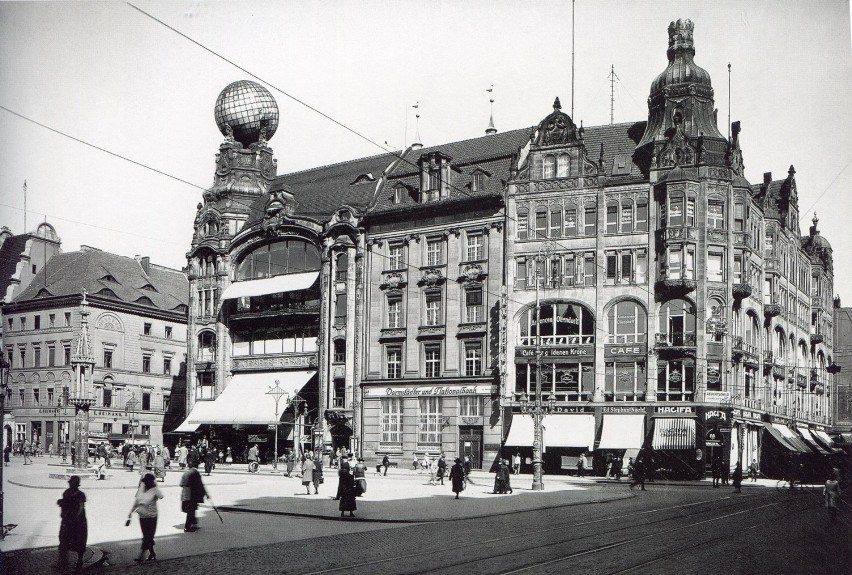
(826, 440)
(809, 439)
(673, 433)
(570, 430)
(521, 432)
(621, 431)
(792, 438)
(772, 428)
(245, 400)
(196, 417)
(275, 284)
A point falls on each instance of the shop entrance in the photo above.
(714, 444)
(470, 445)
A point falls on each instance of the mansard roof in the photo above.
(11, 251)
(66, 274)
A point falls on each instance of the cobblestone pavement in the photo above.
(268, 525)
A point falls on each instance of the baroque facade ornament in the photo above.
(472, 273)
(432, 277)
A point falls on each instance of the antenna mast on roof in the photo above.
(612, 78)
(572, 59)
(25, 206)
(729, 100)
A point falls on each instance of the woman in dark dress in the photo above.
(74, 529)
(457, 477)
(347, 494)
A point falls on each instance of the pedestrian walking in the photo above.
(716, 470)
(832, 493)
(639, 467)
(209, 461)
(316, 476)
(100, 473)
(516, 463)
(160, 466)
(442, 468)
(192, 493)
(229, 457)
(131, 459)
(360, 474)
(182, 453)
(432, 469)
(288, 455)
(424, 462)
(145, 505)
(307, 474)
(415, 462)
(466, 465)
(617, 466)
(50, 450)
(7, 451)
(608, 465)
(193, 457)
(344, 477)
(738, 477)
(501, 478)
(581, 465)
(73, 528)
(347, 492)
(386, 463)
(753, 470)
(457, 477)
(253, 457)
(726, 472)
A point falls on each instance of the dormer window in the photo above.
(364, 179)
(478, 180)
(109, 278)
(399, 194)
(434, 180)
(148, 287)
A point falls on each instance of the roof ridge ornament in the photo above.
(680, 36)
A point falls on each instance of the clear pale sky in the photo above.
(107, 74)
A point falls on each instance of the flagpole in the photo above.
(25, 206)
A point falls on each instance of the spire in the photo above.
(491, 129)
(83, 352)
(556, 104)
(417, 144)
(815, 221)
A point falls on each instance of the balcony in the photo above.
(673, 288)
(771, 310)
(741, 290)
(816, 303)
(676, 341)
(743, 350)
(742, 240)
(817, 338)
(771, 265)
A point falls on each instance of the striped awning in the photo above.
(673, 433)
(810, 440)
(774, 431)
(793, 439)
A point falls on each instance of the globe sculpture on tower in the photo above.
(245, 108)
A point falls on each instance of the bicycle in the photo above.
(788, 486)
(253, 467)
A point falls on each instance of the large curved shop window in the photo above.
(627, 322)
(561, 324)
(284, 257)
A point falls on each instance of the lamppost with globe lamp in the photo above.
(277, 393)
(4, 384)
(130, 411)
(535, 406)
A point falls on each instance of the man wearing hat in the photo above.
(73, 529)
(457, 477)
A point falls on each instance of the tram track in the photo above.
(519, 542)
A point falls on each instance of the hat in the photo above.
(458, 460)
(74, 480)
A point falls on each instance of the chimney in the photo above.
(837, 301)
(145, 262)
(767, 177)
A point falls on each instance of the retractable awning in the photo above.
(793, 439)
(826, 440)
(621, 431)
(521, 432)
(245, 400)
(570, 430)
(773, 430)
(275, 284)
(196, 417)
(673, 433)
(809, 439)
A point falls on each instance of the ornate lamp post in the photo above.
(130, 410)
(83, 364)
(4, 384)
(277, 393)
(355, 405)
(297, 402)
(536, 406)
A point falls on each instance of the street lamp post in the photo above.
(130, 410)
(536, 407)
(277, 393)
(4, 373)
(297, 425)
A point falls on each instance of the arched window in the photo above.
(339, 351)
(561, 324)
(716, 318)
(342, 267)
(283, 257)
(779, 344)
(206, 346)
(549, 167)
(523, 225)
(627, 322)
(677, 323)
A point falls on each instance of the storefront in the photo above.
(715, 428)
(676, 451)
(456, 419)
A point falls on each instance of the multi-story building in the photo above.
(842, 392)
(137, 331)
(630, 272)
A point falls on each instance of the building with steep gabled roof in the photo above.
(134, 349)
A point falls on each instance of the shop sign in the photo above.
(257, 438)
(578, 409)
(713, 375)
(717, 396)
(675, 377)
(716, 415)
(621, 350)
(429, 390)
(491, 447)
(616, 409)
(557, 352)
(307, 360)
(49, 411)
(673, 410)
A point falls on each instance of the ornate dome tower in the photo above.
(681, 126)
(246, 112)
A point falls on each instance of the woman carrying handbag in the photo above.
(145, 504)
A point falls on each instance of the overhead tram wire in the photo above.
(399, 156)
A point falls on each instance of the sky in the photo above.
(107, 74)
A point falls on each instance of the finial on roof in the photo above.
(815, 220)
(556, 104)
(491, 129)
(792, 171)
(417, 144)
